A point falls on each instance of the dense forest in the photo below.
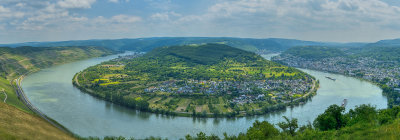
(314, 52)
(196, 80)
(381, 53)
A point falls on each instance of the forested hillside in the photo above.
(314, 52)
(16, 61)
(147, 44)
(381, 53)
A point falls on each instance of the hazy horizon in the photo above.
(181, 37)
(311, 20)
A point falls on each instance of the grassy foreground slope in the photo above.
(16, 120)
(17, 124)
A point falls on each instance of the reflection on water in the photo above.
(51, 90)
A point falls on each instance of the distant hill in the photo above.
(382, 53)
(314, 52)
(16, 61)
(387, 43)
(147, 44)
(207, 54)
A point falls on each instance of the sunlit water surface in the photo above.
(51, 91)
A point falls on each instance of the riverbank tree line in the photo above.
(362, 122)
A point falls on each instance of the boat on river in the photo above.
(333, 79)
(344, 103)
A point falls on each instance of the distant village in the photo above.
(127, 57)
(245, 91)
(387, 72)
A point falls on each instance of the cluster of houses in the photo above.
(366, 68)
(119, 62)
(247, 91)
(242, 99)
(127, 57)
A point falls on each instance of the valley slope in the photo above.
(17, 120)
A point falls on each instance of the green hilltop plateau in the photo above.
(208, 80)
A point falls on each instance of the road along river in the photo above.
(52, 92)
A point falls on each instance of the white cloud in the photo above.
(301, 19)
(165, 16)
(164, 5)
(125, 19)
(118, 1)
(160, 16)
(20, 5)
(333, 20)
(4, 10)
(76, 3)
(42, 14)
(317, 11)
(7, 13)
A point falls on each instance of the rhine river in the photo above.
(52, 92)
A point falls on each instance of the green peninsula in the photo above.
(208, 80)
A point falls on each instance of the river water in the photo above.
(52, 92)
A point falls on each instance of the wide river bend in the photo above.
(52, 92)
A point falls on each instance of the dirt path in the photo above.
(5, 95)
(311, 90)
(76, 79)
(25, 100)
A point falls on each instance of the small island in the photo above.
(207, 80)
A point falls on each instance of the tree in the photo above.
(143, 105)
(388, 115)
(262, 130)
(194, 112)
(332, 118)
(289, 126)
(107, 96)
(362, 113)
(202, 136)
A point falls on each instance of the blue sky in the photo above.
(316, 20)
